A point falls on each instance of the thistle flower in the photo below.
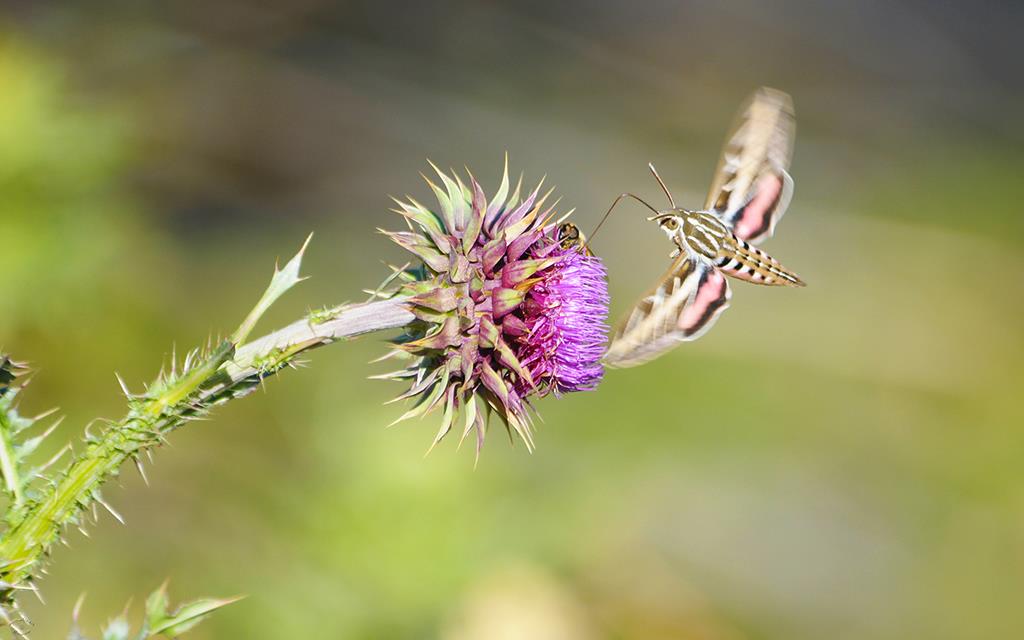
(508, 308)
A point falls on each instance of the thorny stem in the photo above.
(225, 374)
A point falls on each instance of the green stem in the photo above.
(144, 426)
(223, 375)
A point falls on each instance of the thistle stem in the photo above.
(347, 321)
(224, 374)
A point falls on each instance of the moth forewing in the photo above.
(755, 160)
(684, 304)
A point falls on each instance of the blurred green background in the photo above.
(843, 461)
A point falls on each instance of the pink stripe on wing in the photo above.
(710, 297)
(754, 219)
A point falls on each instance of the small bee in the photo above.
(570, 236)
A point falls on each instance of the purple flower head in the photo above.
(565, 312)
(508, 307)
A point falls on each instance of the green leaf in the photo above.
(283, 280)
(158, 621)
(188, 616)
(156, 606)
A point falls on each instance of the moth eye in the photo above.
(670, 224)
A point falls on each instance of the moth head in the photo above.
(669, 221)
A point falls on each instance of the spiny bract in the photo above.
(506, 309)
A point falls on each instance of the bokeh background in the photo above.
(842, 461)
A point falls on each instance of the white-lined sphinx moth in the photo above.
(749, 194)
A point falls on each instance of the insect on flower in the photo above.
(749, 194)
(510, 306)
(572, 238)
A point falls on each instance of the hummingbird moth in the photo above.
(749, 194)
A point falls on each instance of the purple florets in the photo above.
(566, 313)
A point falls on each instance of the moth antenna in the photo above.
(609, 212)
(671, 201)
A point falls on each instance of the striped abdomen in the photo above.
(742, 260)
